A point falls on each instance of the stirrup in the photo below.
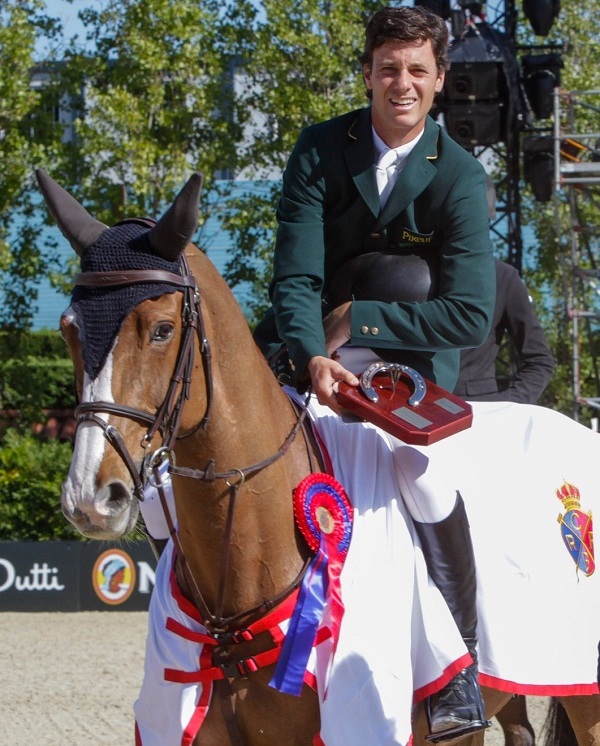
(453, 734)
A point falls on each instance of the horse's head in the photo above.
(125, 333)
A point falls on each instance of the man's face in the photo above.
(404, 80)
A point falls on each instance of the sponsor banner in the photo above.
(75, 576)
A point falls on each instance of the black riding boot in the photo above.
(448, 551)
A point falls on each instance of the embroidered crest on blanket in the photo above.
(577, 529)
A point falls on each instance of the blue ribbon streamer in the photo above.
(300, 637)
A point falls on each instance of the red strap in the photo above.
(188, 634)
(245, 666)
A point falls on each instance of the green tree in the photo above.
(154, 107)
(299, 65)
(31, 474)
(27, 135)
(151, 102)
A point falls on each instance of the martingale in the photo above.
(420, 415)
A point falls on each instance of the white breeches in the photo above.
(425, 476)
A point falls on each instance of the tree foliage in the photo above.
(31, 474)
(154, 108)
(27, 136)
(300, 66)
(149, 97)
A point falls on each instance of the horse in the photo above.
(180, 374)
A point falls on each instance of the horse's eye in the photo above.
(162, 332)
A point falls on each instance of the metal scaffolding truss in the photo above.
(576, 141)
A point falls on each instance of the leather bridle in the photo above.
(166, 421)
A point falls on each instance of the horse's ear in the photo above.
(175, 229)
(75, 223)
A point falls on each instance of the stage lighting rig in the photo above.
(481, 89)
(541, 75)
(538, 165)
(541, 14)
(439, 7)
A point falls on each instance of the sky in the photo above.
(67, 13)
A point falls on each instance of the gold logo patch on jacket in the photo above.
(410, 237)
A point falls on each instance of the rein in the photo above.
(166, 421)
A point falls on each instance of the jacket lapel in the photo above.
(417, 174)
(360, 158)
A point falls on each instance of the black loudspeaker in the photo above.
(439, 7)
(475, 124)
(541, 14)
(538, 166)
(541, 75)
(470, 81)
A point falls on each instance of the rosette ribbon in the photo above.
(324, 516)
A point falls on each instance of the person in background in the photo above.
(514, 316)
(383, 198)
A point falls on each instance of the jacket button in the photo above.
(364, 329)
(374, 331)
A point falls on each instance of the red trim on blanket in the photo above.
(538, 690)
(503, 685)
(193, 727)
(439, 683)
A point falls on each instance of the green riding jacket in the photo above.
(329, 212)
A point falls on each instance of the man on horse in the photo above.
(383, 253)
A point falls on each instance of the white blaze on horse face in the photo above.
(79, 489)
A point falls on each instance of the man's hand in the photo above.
(337, 327)
(325, 375)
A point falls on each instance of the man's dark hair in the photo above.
(408, 26)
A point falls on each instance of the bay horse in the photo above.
(165, 363)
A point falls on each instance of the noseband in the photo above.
(166, 420)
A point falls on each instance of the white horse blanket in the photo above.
(538, 591)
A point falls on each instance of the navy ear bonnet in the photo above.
(101, 311)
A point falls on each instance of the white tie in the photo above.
(386, 173)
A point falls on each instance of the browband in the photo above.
(116, 278)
